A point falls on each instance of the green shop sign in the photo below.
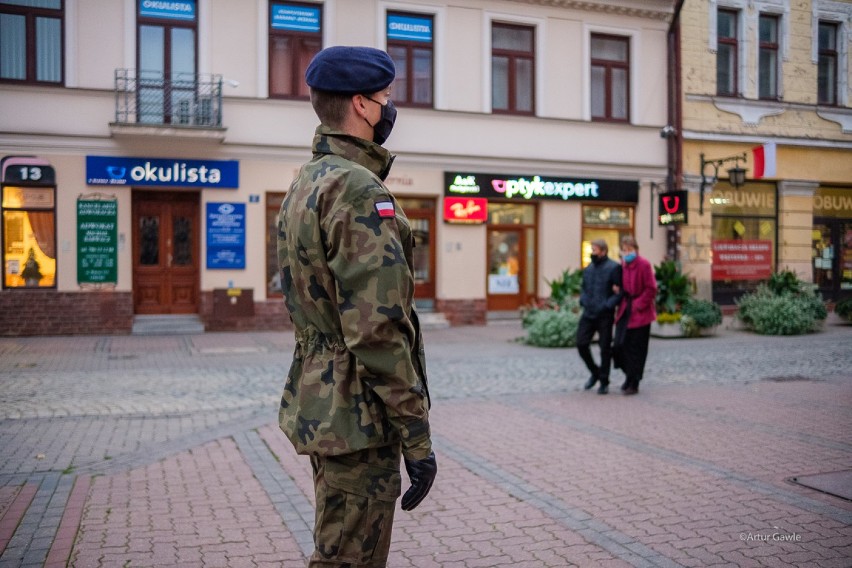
(97, 241)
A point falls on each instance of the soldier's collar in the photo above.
(363, 152)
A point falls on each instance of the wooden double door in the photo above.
(166, 252)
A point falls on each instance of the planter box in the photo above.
(666, 329)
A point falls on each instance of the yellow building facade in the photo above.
(771, 75)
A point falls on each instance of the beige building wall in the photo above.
(814, 143)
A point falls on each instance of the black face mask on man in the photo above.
(382, 129)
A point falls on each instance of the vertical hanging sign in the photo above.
(97, 241)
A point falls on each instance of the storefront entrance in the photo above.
(421, 217)
(832, 258)
(165, 252)
(511, 256)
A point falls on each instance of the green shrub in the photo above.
(689, 326)
(787, 313)
(552, 328)
(673, 287)
(703, 312)
(566, 286)
(843, 308)
(784, 282)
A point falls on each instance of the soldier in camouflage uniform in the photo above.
(356, 398)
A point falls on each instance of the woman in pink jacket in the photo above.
(635, 314)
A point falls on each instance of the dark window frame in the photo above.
(31, 14)
(168, 25)
(734, 43)
(832, 54)
(773, 47)
(514, 56)
(609, 65)
(297, 80)
(409, 47)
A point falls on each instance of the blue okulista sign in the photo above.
(409, 28)
(183, 10)
(295, 18)
(154, 172)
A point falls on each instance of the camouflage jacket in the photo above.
(345, 253)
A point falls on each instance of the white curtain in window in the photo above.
(48, 50)
(13, 35)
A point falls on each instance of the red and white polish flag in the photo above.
(385, 209)
(764, 161)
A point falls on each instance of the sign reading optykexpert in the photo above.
(155, 172)
(526, 188)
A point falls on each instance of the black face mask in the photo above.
(382, 129)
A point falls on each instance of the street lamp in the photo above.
(736, 175)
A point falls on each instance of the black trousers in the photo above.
(585, 331)
(634, 353)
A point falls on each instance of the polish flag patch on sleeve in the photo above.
(385, 209)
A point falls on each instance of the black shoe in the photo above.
(590, 383)
(603, 389)
(631, 390)
(625, 385)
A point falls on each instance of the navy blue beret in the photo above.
(345, 69)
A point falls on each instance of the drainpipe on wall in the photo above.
(674, 126)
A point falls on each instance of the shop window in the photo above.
(827, 64)
(610, 78)
(421, 217)
(607, 222)
(29, 237)
(768, 63)
(744, 238)
(295, 36)
(31, 41)
(273, 275)
(410, 45)
(727, 50)
(512, 68)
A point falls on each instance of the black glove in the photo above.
(422, 474)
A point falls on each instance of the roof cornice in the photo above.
(663, 13)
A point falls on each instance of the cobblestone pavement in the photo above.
(164, 451)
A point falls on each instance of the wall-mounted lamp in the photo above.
(736, 175)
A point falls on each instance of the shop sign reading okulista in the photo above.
(535, 187)
(152, 172)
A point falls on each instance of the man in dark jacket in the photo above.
(599, 299)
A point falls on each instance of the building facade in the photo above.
(765, 85)
(146, 146)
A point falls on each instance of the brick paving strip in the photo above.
(12, 516)
(295, 510)
(59, 552)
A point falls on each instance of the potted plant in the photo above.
(32, 271)
(673, 291)
(784, 305)
(700, 317)
(843, 308)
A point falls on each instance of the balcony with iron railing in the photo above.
(151, 103)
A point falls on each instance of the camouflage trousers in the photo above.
(355, 501)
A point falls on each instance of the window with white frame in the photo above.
(727, 52)
(827, 63)
(768, 62)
